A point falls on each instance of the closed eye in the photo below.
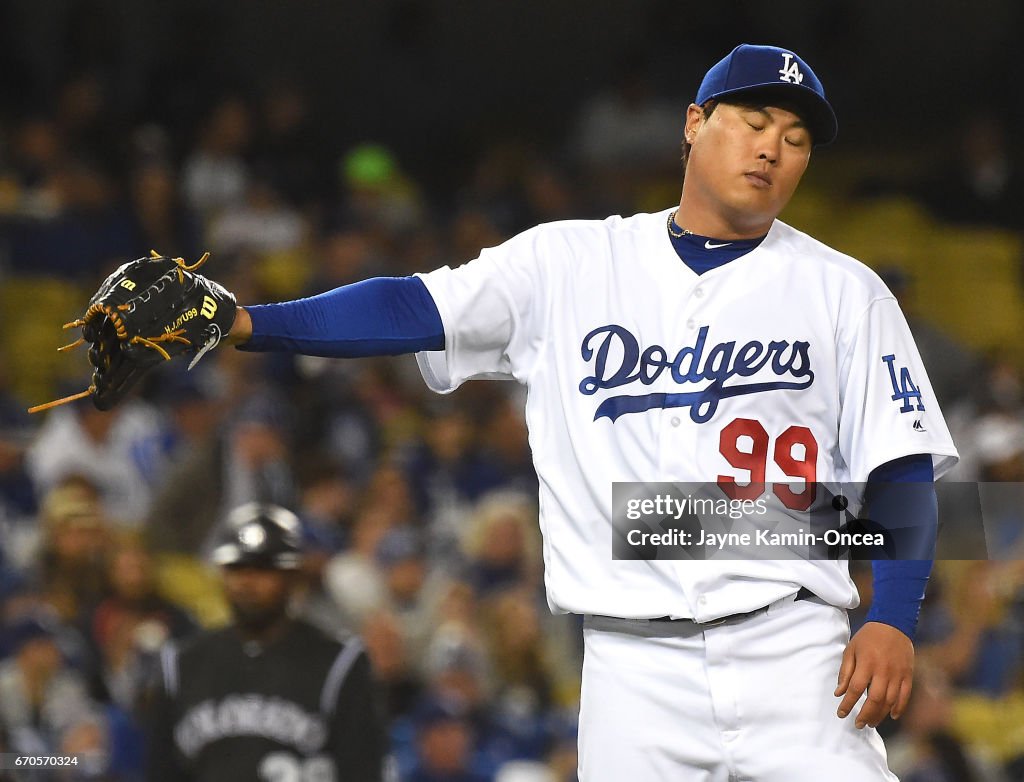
(756, 127)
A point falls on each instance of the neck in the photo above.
(704, 220)
(264, 634)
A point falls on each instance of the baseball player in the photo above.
(709, 342)
(269, 697)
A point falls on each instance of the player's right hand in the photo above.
(878, 660)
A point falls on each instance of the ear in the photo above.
(694, 122)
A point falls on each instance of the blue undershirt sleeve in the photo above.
(383, 316)
(900, 495)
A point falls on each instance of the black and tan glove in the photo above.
(148, 311)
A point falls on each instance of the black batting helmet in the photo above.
(260, 535)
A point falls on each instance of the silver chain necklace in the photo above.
(677, 233)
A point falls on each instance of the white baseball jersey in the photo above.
(793, 361)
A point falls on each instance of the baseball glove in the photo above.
(148, 311)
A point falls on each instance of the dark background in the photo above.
(434, 76)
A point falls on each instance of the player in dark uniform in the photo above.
(268, 697)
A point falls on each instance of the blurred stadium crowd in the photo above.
(419, 511)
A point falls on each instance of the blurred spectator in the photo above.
(248, 461)
(460, 677)
(444, 742)
(121, 452)
(984, 185)
(495, 189)
(215, 175)
(395, 667)
(456, 667)
(626, 136)
(517, 645)
(326, 500)
(447, 473)
(333, 418)
(193, 409)
(85, 120)
(345, 255)
(73, 548)
(992, 433)
(160, 220)
(388, 489)
(128, 627)
(472, 230)
(37, 153)
(380, 393)
(501, 543)
(41, 697)
(505, 445)
(74, 225)
(1000, 452)
(268, 238)
(411, 590)
(926, 748)
(972, 642)
(377, 193)
(285, 147)
(524, 672)
(261, 224)
(629, 128)
(351, 577)
(550, 194)
(109, 746)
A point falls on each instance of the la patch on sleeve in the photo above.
(904, 390)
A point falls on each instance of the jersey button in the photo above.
(691, 324)
(675, 420)
(699, 293)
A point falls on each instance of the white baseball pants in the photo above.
(746, 701)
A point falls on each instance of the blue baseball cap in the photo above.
(769, 69)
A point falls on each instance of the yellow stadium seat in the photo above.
(32, 311)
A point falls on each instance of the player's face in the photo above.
(258, 597)
(745, 163)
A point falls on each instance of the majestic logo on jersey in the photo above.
(618, 361)
(790, 70)
(250, 714)
(903, 388)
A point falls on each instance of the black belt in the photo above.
(803, 594)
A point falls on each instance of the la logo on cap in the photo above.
(790, 70)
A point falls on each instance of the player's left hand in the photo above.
(879, 659)
(149, 310)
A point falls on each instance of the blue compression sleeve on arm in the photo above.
(901, 494)
(383, 316)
